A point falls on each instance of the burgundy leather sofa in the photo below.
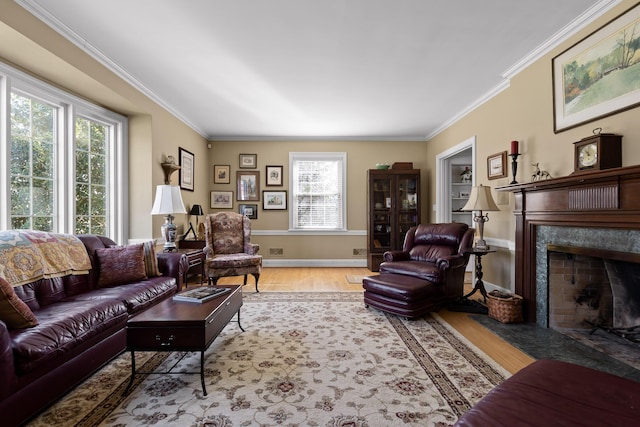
(81, 327)
(426, 275)
(554, 393)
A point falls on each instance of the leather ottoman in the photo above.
(406, 296)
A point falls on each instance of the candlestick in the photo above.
(514, 166)
(514, 147)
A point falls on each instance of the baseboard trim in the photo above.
(314, 262)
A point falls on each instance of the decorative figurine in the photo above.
(465, 176)
(539, 175)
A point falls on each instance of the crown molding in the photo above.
(65, 31)
(580, 22)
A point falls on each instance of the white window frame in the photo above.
(316, 156)
(69, 107)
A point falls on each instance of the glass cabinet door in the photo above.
(408, 205)
(381, 236)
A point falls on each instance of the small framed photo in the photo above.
(248, 185)
(186, 169)
(221, 174)
(387, 202)
(221, 199)
(248, 161)
(248, 210)
(497, 166)
(274, 176)
(274, 200)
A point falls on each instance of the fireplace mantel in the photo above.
(601, 199)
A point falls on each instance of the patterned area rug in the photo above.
(306, 359)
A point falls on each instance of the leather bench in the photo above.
(406, 296)
(555, 393)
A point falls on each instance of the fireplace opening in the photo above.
(594, 297)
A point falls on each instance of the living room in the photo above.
(521, 108)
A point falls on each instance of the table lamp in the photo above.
(168, 201)
(480, 200)
(197, 211)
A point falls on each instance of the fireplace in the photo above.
(593, 211)
(594, 289)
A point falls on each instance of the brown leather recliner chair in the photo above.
(426, 275)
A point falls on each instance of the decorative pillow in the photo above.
(150, 259)
(121, 265)
(13, 311)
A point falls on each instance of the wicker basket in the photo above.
(505, 308)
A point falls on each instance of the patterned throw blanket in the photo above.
(26, 256)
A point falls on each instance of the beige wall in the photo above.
(154, 133)
(524, 112)
(270, 227)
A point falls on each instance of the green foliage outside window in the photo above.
(33, 165)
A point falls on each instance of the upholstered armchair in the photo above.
(228, 248)
(426, 274)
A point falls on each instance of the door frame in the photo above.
(443, 177)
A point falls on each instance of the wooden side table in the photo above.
(479, 286)
(191, 244)
(196, 258)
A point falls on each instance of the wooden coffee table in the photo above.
(182, 326)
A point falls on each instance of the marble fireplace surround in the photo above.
(599, 210)
(582, 239)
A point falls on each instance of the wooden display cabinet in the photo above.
(393, 206)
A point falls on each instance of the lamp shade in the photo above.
(480, 200)
(196, 210)
(168, 201)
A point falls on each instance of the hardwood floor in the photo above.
(294, 279)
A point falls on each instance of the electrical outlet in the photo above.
(276, 251)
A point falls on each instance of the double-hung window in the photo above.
(64, 158)
(318, 191)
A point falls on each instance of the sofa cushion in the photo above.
(63, 328)
(13, 311)
(121, 265)
(150, 259)
(135, 296)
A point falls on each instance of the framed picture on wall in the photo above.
(274, 200)
(186, 169)
(597, 76)
(274, 176)
(497, 165)
(248, 185)
(250, 211)
(221, 199)
(248, 161)
(221, 174)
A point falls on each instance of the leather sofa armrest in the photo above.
(453, 261)
(173, 264)
(390, 256)
(8, 378)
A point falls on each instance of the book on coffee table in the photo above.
(201, 294)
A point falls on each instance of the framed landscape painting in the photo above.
(600, 75)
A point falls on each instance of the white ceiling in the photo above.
(317, 69)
